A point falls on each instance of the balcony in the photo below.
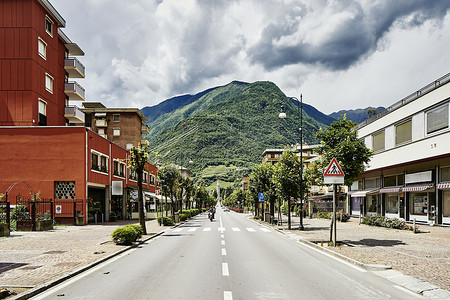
(145, 129)
(74, 68)
(74, 91)
(145, 143)
(101, 123)
(74, 114)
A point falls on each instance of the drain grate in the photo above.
(54, 252)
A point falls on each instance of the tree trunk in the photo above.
(289, 214)
(141, 201)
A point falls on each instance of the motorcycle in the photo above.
(210, 216)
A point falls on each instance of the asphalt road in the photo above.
(229, 258)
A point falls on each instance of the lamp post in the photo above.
(282, 115)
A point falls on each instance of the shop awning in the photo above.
(390, 190)
(417, 188)
(443, 186)
(363, 193)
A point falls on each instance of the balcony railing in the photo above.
(101, 123)
(145, 129)
(74, 67)
(74, 114)
(74, 91)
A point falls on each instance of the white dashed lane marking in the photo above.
(236, 229)
(225, 269)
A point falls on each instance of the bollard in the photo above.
(414, 225)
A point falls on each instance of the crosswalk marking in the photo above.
(192, 229)
(207, 229)
(236, 229)
(265, 229)
(177, 229)
(251, 229)
(220, 229)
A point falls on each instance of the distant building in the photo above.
(274, 155)
(123, 126)
(408, 176)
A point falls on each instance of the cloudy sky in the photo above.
(340, 54)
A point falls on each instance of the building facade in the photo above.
(408, 176)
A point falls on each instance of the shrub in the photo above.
(329, 215)
(183, 217)
(378, 220)
(167, 221)
(127, 235)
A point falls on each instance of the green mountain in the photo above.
(356, 115)
(224, 130)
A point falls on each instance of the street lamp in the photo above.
(282, 115)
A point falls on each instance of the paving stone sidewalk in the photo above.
(29, 259)
(424, 255)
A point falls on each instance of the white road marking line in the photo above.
(224, 251)
(221, 224)
(207, 229)
(221, 229)
(227, 295)
(251, 229)
(265, 229)
(192, 229)
(236, 229)
(225, 269)
(222, 236)
(177, 229)
(222, 242)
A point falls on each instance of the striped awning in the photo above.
(443, 186)
(416, 188)
(363, 193)
(390, 190)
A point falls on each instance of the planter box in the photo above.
(42, 225)
(4, 229)
(24, 225)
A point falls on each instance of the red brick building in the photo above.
(39, 150)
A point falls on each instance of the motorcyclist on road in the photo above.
(212, 210)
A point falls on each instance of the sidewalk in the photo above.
(30, 259)
(424, 255)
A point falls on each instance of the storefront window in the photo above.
(372, 203)
(355, 204)
(446, 206)
(418, 203)
(392, 204)
(445, 174)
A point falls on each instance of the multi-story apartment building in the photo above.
(37, 64)
(408, 176)
(274, 155)
(40, 152)
(123, 126)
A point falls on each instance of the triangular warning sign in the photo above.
(333, 169)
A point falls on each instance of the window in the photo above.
(116, 131)
(418, 203)
(42, 48)
(49, 26)
(94, 162)
(130, 146)
(116, 118)
(392, 204)
(372, 204)
(42, 109)
(378, 141)
(371, 183)
(437, 118)
(122, 170)
(390, 181)
(445, 174)
(101, 131)
(49, 83)
(144, 177)
(116, 167)
(104, 164)
(152, 179)
(403, 133)
(446, 204)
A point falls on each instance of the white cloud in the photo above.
(339, 54)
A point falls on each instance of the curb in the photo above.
(45, 286)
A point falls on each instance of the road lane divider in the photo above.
(225, 271)
(224, 251)
(227, 295)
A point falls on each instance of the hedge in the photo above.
(378, 220)
(127, 235)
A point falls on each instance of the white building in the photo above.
(408, 176)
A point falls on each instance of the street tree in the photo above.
(287, 178)
(138, 158)
(340, 141)
(261, 181)
(167, 177)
